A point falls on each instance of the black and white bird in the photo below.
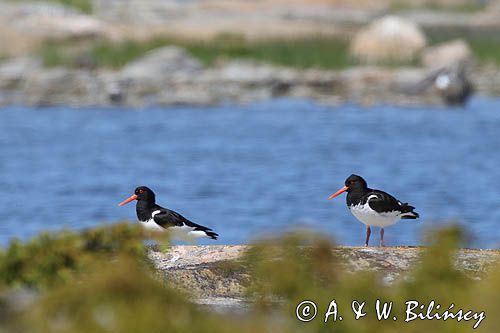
(156, 218)
(374, 208)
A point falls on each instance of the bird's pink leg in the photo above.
(382, 237)
(368, 233)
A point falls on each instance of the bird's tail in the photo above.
(211, 234)
(410, 215)
(409, 212)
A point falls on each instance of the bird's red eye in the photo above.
(141, 191)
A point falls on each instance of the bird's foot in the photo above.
(366, 244)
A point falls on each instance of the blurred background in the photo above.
(246, 115)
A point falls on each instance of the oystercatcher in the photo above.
(154, 217)
(374, 208)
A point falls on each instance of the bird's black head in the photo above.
(352, 183)
(142, 193)
(145, 193)
(355, 182)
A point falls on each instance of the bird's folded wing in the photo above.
(168, 218)
(382, 202)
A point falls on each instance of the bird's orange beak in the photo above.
(342, 190)
(132, 198)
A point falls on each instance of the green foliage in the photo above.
(321, 52)
(120, 296)
(85, 6)
(51, 259)
(97, 281)
(288, 270)
(313, 52)
(279, 267)
(487, 51)
(429, 5)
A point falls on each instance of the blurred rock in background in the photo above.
(169, 52)
(455, 52)
(388, 40)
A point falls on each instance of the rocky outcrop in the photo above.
(162, 63)
(450, 67)
(27, 25)
(209, 272)
(204, 271)
(25, 22)
(453, 84)
(455, 52)
(170, 76)
(389, 39)
(208, 18)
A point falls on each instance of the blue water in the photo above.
(247, 171)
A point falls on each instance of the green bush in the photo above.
(99, 281)
(51, 259)
(120, 296)
(288, 270)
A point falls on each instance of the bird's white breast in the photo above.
(368, 216)
(151, 225)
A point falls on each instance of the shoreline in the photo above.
(175, 53)
(171, 77)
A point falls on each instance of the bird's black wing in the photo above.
(169, 218)
(382, 202)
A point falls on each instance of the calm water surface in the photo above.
(252, 170)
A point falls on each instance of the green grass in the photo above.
(459, 7)
(85, 6)
(486, 51)
(314, 52)
(320, 52)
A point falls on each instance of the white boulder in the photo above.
(389, 39)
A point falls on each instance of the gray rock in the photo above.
(170, 76)
(27, 25)
(162, 64)
(60, 86)
(14, 71)
(452, 53)
(206, 271)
